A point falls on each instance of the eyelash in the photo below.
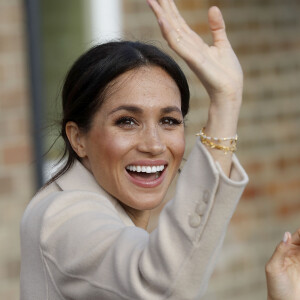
(175, 122)
(129, 122)
(123, 122)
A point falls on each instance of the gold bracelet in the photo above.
(201, 133)
(232, 148)
(214, 143)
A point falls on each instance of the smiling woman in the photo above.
(139, 128)
(83, 235)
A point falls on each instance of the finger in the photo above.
(295, 238)
(287, 237)
(171, 31)
(174, 10)
(167, 9)
(166, 6)
(162, 17)
(277, 259)
(155, 8)
(166, 28)
(217, 27)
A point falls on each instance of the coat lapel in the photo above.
(80, 179)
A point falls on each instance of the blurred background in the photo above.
(39, 40)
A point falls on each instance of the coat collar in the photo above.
(80, 179)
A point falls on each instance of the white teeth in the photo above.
(145, 169)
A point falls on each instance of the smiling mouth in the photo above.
(145, 173)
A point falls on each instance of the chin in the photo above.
(143, 201)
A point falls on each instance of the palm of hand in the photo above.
(216, 66)
(224, 74)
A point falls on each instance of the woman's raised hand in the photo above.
(283, 269)
(216, 66)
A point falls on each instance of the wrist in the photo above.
(222, 121)
(226, 101)
(231, 97)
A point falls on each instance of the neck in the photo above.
(140, 218)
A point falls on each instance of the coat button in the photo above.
(200, 208)
(194, 220)
(205, 196)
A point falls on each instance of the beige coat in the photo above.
(77, 242)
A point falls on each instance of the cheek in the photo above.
(111, 148)
(177, 147)
(181, 149)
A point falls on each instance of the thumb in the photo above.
(277, 260)
(217, 27)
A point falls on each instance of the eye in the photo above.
(170, 121)
(126, 122)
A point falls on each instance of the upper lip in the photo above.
(148, 163)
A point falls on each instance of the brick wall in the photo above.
(16, 174)
(266, 37)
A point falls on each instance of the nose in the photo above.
(151, 141)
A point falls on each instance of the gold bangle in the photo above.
(214, 143)
(201, 133)
(232, 148)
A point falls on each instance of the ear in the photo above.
(76, 139)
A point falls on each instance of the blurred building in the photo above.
(17, 180)
(39, 40)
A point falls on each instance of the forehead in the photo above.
(145, 87)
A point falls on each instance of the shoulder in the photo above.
(48, 209)
(52, 201)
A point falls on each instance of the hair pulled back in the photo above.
(88, 79)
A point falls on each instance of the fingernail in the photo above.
(285, 237)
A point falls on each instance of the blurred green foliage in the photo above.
(63, 35)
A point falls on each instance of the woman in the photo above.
(83, 236)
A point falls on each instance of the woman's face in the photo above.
(136, 142)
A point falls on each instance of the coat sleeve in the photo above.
(90, 254)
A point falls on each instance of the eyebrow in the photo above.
(130, 108)
(135, 109)
(170, 109)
